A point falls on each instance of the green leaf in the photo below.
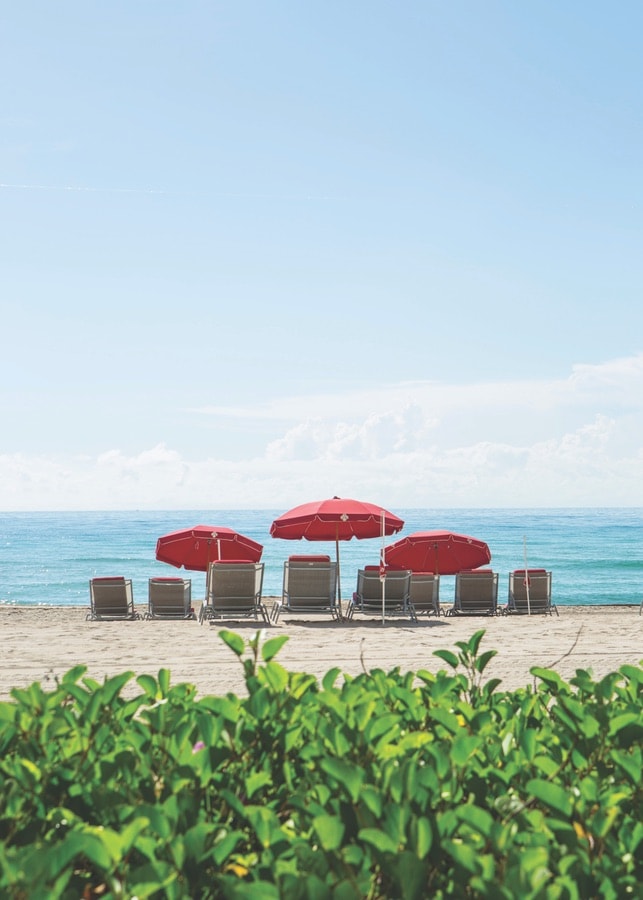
(264, 822)
(490, 685)
(381, 725)
(113, 686)
(346, 774)
(484, 659)
(546, 764)
(330, 831)
(164, 681)
(131, 832)
(73, 675)
(276, 676)
(352, 855)
(474, 642)
(234, 641)
(529, 743)
(464, 854)
(446, 718)
(378, 839)
(92, 843)
(32, 768)
(255, 781)
(410, 875)
(448, 657)
(550, 794)
(550, 677)
(225, 843)
(148, 684)
(371, 798)
(478, 819)
(634, 673)
(423, 835)
(272, 646)
(196, 839)
(630, 763)
(159, 823)
(463, 748)
(330, 678)
(624, 720)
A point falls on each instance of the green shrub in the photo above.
(386, 785)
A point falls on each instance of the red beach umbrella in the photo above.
(440, 552)
(195, 548)
(337, 519)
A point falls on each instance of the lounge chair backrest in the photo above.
(396, 588)
(235, 584)
(233, 589)
(538, 581)
(310, 557)
(309, 586)
(425, 592)
(169, 598)
(310, 583)
(391, 596)
(476, 591)
(111, 598)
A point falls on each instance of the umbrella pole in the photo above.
(339, 574)
(207, 574)
(383, 574)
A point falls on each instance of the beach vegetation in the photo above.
(384, 785)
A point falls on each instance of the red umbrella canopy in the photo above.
(336, 519)
(440, 552)
(195, 548)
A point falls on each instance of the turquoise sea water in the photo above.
(596, 555)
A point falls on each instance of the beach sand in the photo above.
(42, 643)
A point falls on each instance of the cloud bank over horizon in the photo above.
(575, 441)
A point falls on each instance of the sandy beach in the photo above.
(42, 643)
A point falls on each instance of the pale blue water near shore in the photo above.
(596, 555)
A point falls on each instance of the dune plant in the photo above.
(384, 785)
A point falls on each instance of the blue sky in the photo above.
(260, 253)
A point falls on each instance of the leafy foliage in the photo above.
(386, 785)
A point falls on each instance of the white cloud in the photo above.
(568, 442)
(619, 377)
(373, 437)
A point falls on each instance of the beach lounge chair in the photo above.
(395, 591)
(309, 587)
(476, 593)
(169, 598)
(538, 584)
(425, 593)
(111, 598)
(234, 592)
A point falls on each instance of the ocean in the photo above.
(595, 555)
